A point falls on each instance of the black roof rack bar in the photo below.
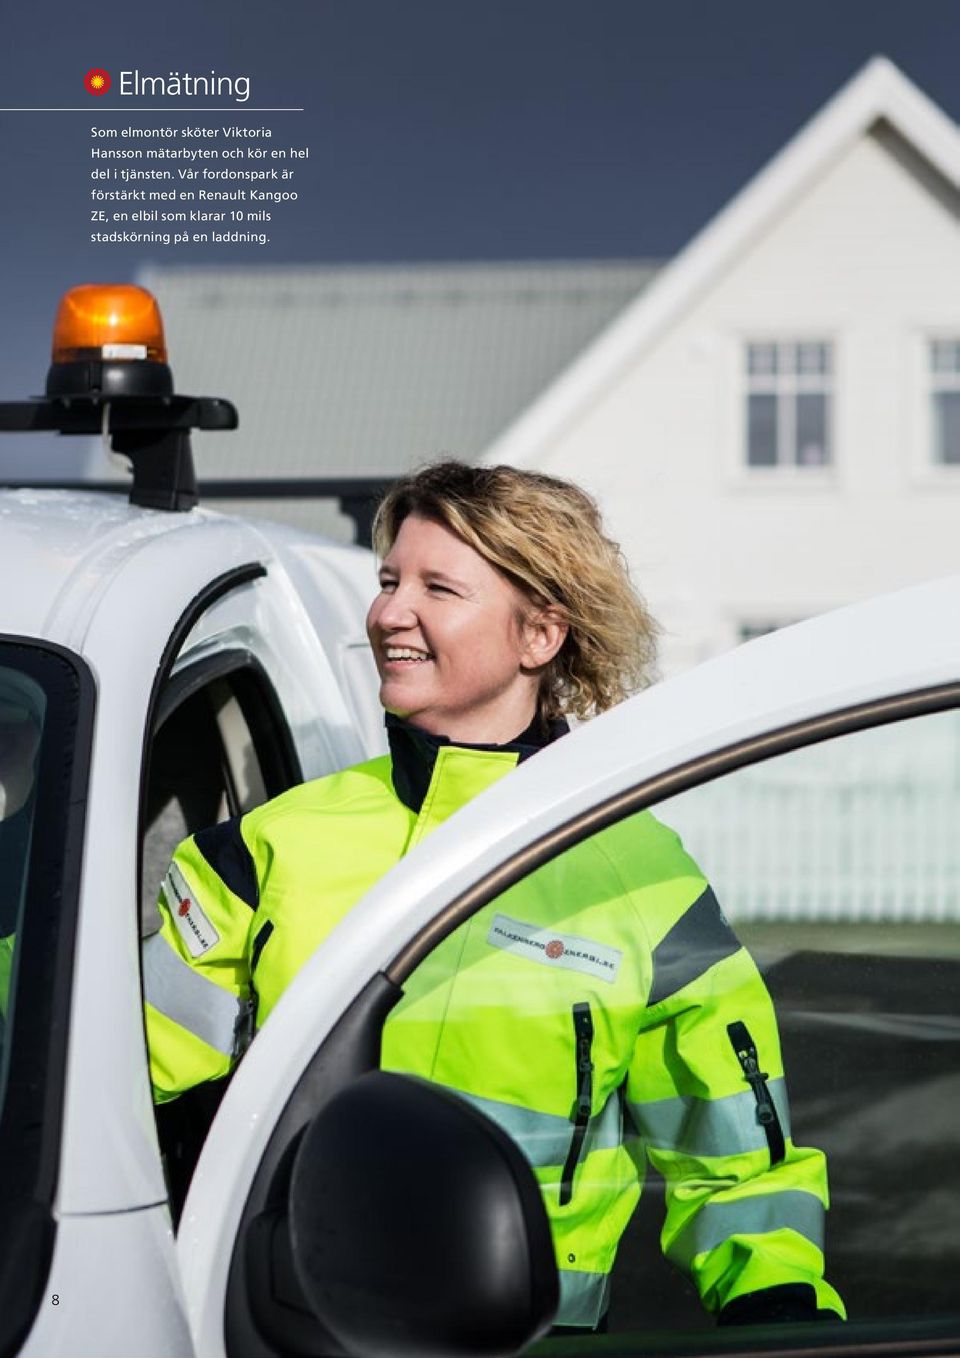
(84, 414)
(153, 431)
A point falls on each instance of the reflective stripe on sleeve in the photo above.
(701, 1127)
(700, 938)
(226, 852)
(716, 1222)
(583, 1297)
(187, 998)
(544, 1138)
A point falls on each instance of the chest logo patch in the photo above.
(193, 926)
(555, 950)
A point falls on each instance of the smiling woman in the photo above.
(610, 981)
(459, 650)
(537, 542)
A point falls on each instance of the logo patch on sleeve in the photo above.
(555, 950)
(193, 926)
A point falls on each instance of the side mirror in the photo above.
(416, 1226)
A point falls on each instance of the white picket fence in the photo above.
(864, 828)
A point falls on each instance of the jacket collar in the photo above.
(414, 752)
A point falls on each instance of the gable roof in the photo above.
(878, 92)
(369, 370)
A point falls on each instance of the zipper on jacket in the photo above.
(246, 1025)
(263, 933)
(583, 1034)
(767, 1117)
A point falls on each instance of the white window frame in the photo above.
(937, 382)
(922, 471)
(761, 625)
(785, 386)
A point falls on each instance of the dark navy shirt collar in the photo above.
(414, 752)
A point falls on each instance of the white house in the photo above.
(773, 426)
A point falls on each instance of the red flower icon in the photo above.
(96, 81)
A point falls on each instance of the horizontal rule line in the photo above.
(82, 108)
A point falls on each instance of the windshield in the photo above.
(46, 712)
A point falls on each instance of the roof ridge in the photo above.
(879, 91)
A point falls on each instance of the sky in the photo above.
(438, 129)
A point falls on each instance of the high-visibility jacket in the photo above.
(601, 1011)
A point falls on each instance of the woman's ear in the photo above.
(544, 632)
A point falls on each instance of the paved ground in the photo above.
(871, 1034)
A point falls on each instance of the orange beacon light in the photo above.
(112, 321)
(108, 339)
(108, 376)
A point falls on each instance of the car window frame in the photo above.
(36, 1084)
(261, 712)
(202, 601)
(269, 730)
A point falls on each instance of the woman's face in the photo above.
(451, 651)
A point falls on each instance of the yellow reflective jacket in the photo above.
(601, 1011)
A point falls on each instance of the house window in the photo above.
(758, 627)
(945, 394)
(789, 386)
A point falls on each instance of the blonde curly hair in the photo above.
(546, 535)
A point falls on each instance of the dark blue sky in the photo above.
(440, 129)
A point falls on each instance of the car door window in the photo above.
(221, 746)
(603, 1011)
(47, 699)
(840, 868)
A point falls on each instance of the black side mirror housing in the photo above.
(416, 1226)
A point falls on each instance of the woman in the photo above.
(608, 982)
